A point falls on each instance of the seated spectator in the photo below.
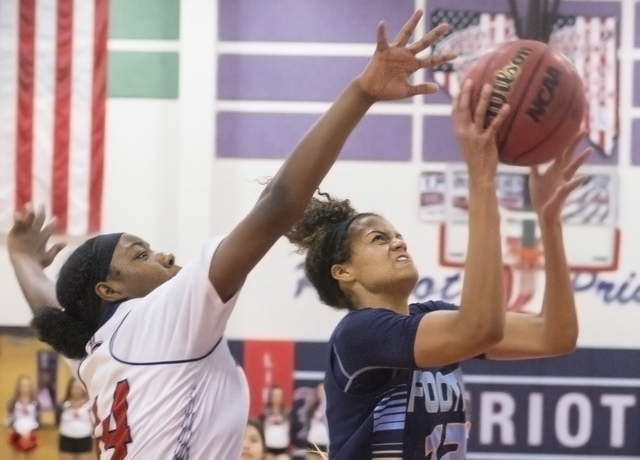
(276, 423)
(253, 446)
(318, 435)
(75, 441)
(24, 420)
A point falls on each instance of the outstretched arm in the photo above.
(554, 331)
(285, 198)
(27, 243)
(446, 337)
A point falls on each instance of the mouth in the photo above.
(403, 258)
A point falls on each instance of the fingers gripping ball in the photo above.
(545, 94)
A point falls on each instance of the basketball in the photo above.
(545, 94)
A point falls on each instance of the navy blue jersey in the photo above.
(379, 403)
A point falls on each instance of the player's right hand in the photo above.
(478, 144)
(29, 236)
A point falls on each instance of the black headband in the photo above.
(87, 309)
(102, 250)
(336, 235)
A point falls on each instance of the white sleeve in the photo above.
(181, 320)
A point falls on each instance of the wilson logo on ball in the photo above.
(545, 94)
(504, 80)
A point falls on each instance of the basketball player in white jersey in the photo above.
(147, 337)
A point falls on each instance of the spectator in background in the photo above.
(276, 423)
(253, 447)
(318, 435)
(24, 420)
(75, 441)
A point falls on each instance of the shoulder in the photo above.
(363, 315)
(356, 320)
(429, 306)
(368, 329)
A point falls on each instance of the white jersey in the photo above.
(276, 431)
(160, 375)
(318, 433)
(24, 417)
(75, 422)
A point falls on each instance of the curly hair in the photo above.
(323, 234)
(68, 330)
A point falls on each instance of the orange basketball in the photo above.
(545, 94)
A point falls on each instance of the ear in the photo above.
(108, 292)
(342, 272)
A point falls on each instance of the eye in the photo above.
(378, 237)
(142, 255)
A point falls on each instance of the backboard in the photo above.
(591, 234)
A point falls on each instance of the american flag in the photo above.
(53, 57)
(589, 42)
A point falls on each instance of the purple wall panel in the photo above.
(352, 21)
(637, 41)
(261, 135)
(305, 78)
(598, 158)
(441, 97)
(285, 78)
(636, 83)
(635, 142)
(440, 144)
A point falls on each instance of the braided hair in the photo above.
(68, 330)
(323, 233)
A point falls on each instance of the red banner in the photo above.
(268, 363)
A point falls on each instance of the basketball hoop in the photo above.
(528, 258)
(540, 19)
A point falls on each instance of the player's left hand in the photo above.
(386, 76)
(29, 236)
(550, 189)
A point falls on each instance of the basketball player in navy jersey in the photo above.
(147, 337)
(392, 382)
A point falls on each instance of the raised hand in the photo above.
(478, 144)
(29, 236)
(549, 190)
(386, 77)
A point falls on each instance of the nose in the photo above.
(398, 244)
(171, 260)
(167, 260)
